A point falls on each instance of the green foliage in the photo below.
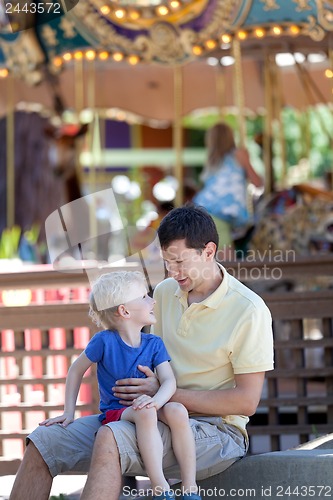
(9, 242)
(32, 234)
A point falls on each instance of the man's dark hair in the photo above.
(189, 222)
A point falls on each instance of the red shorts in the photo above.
(112, 415)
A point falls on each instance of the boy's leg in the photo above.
(150, 444)
(104, 477)
(176, 417)
(33, 479)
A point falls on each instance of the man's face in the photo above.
(187, 266)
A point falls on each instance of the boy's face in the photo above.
(187, 266)
(141, 306)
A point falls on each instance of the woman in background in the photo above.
(225, 178)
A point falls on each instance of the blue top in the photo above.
(116, 360)
(224, 193)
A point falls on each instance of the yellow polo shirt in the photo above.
(230, 332)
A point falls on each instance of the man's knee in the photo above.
(105, 439)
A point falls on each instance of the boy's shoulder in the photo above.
(149, 337)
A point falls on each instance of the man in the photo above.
(218, 334)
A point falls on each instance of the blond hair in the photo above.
(110, 291)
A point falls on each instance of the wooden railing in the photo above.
(39, 341)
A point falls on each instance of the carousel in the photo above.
(91, 69)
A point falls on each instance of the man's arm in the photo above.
(241, 400)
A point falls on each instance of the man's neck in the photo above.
(208, 286)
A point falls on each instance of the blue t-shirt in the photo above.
(116, 360)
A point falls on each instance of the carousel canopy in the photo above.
(117, 39)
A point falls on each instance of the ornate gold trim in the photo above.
(24, 56)
(270, 5)
(148, 16)
(302, 5)
(164, 43)
(325, 15)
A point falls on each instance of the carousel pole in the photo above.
(220, 90)
(177, 135)
(239, 91)
(96, 150)
(78, 81)
(278, 114)
(10, 159)
(267, 150)
(330, 54)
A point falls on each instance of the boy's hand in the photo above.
(63, 419)
(129, 389)
(145, 401)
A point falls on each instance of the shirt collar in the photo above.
(215, 299)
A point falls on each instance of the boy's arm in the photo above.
(166, 390)
(73, 382)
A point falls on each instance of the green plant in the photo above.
(32, 234)
(9, 242)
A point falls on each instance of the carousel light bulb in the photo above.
(90, 55)
(294, 30)
(103, 55)
(133, 14)
(175, 4)
(277, 30)
(78, 55)
(241, 35)
(197, 50)
(329, 73)
(162, 10)
(133, 59)
(67, 57)
(118, 56)
(105, 10)
(259, 32)
(120, 13)
(210, 44)
(57, 61)
(226, 38)
(3, 72)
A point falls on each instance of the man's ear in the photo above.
(122, 311)
(210, 250)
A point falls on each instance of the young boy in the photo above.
(120, 304)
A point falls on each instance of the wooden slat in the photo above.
(45, 316)
(278, 430)
(43, 353)
(46, 379)
(23, 407)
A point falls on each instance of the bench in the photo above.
(303, 472)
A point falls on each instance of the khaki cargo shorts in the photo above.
(218, 445)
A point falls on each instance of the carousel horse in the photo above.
(298, 219)
(45, 168)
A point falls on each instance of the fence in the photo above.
(40, 340)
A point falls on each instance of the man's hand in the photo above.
(128, 389)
